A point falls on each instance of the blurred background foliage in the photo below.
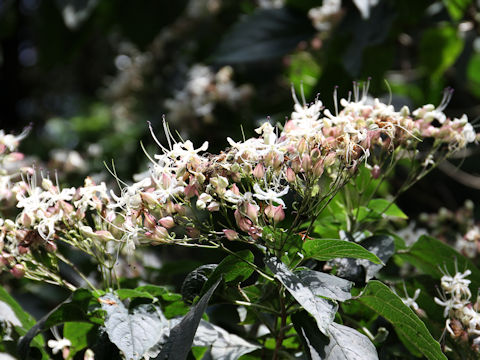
(90, 74)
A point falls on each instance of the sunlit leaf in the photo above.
(383, 301)
(321, 309)
(327, 249)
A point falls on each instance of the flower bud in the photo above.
(329, 159)
(259, 171)
(180, 209)
(251, 211)
(318, 169)
(376, 171)
(18, 271)
(275, 213)
(231, 234)
(235, 189)
(302, 146)
(296, 165)
(213, 206)
(290, 175)
(23, 250)
(149, 221)
(243, 223)
(149, 199)
(190, 191)
(306, 162)
(104, 235)
(167, 222)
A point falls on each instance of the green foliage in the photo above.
(327, 249)
(383, 301)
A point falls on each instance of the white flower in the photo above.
(410, 301)
(429, 113)
(457, 285)
(449, 304)
(270, 195)
(58, 345)
(268, 133)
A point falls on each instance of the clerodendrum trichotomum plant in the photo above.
(298, 215)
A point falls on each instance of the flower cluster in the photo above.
(463, 318)
(190, 197)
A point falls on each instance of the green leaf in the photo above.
(303, 72)
(266, 34)
(382, 206)
(221, 344)
(25, 319)
(159, 292)
(321, 309)
(439, 49)
(343, 343)
(347, 343)
(181, 336)
(328, 249)
(456, 8)
(233, 269)
(76, 308)
(387, 304)
(132, 294)
(194, 281)
(77, 333)
(433, 257)
(134, 334)
(326, 285)
(473, 74)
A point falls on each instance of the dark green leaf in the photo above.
(383, 246)
(134, 334)
(365, 33)
(322, 310)
(327, 249)
(181, 336)
(439, 49)
(194, 281)
(75, 308)
(77, 333)
(434, 257)
(266, 34)
(382, 206)
(384, 302)
(232, 268)
(313, 340)
(25, 319)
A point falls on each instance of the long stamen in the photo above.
(335, 99)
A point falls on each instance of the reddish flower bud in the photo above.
(275, 213)
(18, 270)
(306, 163)
(149, 221)
(376, 171)
(290, 175)
(230, 234)
(167, 222)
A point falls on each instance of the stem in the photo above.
(283, 323)
(74, 267)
